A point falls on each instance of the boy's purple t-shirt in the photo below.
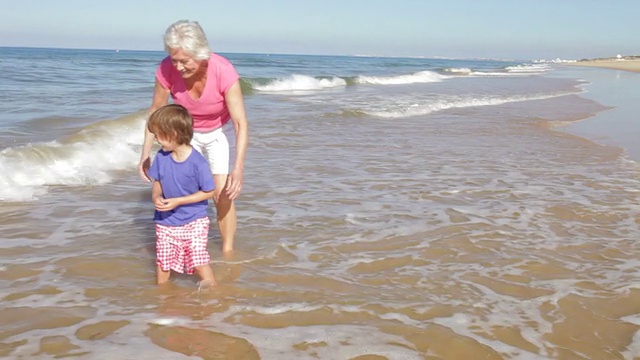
(181, 179)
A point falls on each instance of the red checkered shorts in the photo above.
(180, 247)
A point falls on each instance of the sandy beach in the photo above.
(626, 65)
(401, 210)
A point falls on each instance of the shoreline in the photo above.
(625, 65)
(616, 90)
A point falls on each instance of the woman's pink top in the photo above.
(210, 111)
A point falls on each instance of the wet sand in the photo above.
(618, 90)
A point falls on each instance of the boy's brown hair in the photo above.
(172, 122)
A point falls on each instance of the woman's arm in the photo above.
(235, 104)
(160, 98)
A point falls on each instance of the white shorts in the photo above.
(218, 147)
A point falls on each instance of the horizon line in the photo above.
(434, 57)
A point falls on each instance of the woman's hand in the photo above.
(143, 169)
(234, 184)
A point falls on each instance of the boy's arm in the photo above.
(170, 204)
(156, 192)
(195, 197)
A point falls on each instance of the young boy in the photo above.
(182, 186)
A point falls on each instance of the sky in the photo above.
(498, 29)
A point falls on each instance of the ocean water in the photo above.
(393, 208)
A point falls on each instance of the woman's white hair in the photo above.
(188, 36)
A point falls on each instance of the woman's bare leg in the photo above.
(226, 213)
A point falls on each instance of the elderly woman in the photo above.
(209, 87)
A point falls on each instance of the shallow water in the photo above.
(372, 225)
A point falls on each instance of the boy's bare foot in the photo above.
(206, 285)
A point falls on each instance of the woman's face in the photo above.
(184, 63)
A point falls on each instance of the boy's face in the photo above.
(166, 143)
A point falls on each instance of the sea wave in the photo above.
(528, 68)
(514, 70)
(402, 109)
(419, 77)
(87, 157)
(297, 82)
(458, 71)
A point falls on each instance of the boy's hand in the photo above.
(160, 202)
(163, 204)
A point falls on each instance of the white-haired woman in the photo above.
(207, 85)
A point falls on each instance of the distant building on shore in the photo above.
(615, 58)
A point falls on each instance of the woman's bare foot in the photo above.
(228, 255)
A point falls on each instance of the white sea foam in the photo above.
(458, 70)
(529, 68)
(338, 341)
(496, 73)
(92, 349)
(277, 309)
(300, 83)
(633, 351)
(515, 70)
(461, 324)
(419, 77)
(401, 110)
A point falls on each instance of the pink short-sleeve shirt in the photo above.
(210, 111)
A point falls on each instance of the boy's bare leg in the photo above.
(206, 274)
(162, 276)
